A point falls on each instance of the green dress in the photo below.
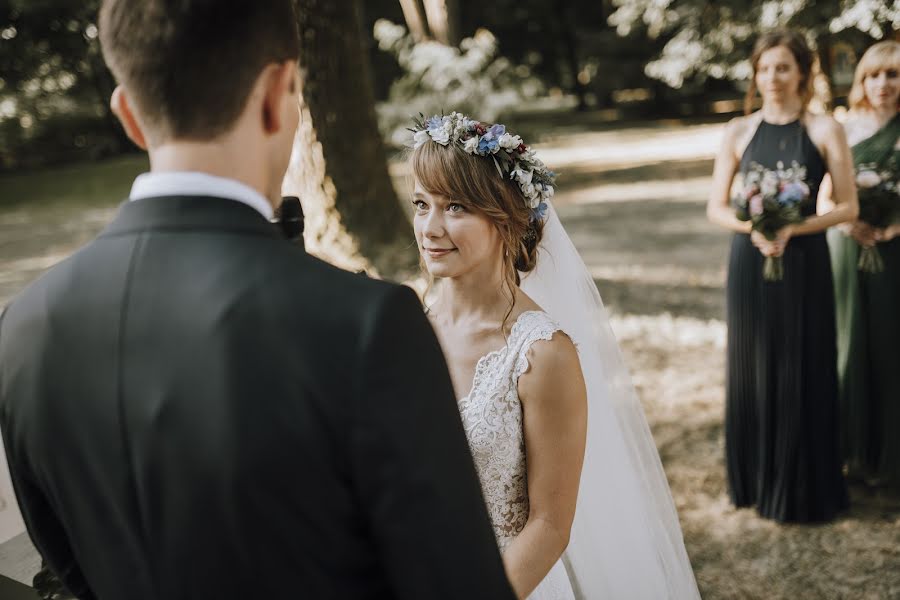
(868, 336)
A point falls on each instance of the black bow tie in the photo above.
(289, 217)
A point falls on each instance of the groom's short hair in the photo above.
(189, 65)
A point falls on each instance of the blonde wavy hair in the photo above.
(880, 57)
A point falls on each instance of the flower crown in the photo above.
(511, 156)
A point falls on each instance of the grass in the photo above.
(91, 184)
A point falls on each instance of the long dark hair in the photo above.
(796, 44)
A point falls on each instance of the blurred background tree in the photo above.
(705, 41)
(54, 87)
(432, 20)
(369, 67)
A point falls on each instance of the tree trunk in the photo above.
(414, 14)
(565, 29)
(443, 20)
(823, 89)
(339, 165)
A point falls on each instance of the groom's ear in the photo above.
(280, 87)
(121, 107)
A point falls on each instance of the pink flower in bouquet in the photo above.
(756, 205)
(867, 179)
(750, 191)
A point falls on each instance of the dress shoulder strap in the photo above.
(529, 328)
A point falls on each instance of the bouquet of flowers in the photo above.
(879, 206)
(771, 199)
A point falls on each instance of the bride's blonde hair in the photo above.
(473, 181)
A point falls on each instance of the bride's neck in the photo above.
(477, 295)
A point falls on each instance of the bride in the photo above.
(575, 489)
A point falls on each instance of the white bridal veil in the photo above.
(626, 541)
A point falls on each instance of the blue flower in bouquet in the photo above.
(490, 141)
(434, 122)
(793, 192)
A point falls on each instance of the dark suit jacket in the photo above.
(194, 408)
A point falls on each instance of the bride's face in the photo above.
(453, 239)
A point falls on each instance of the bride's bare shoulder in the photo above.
(553, 370)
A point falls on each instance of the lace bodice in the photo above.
(492, 417)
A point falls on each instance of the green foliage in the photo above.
(472, 79)
(54, 86)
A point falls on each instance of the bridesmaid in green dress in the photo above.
(868, 304)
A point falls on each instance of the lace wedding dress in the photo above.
(626, 540)
(492, 417)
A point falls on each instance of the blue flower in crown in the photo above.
(490, 141)
(513, 159)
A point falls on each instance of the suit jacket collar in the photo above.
(197, 213)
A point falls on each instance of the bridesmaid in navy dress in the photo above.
(781, 411)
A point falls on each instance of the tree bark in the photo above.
(823, 88)
(414, 14)
(443, 20)
(570, 52)
(339, 165)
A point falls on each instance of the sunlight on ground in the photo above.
(666, 330)
(684, 190)
(631, 146)
(659, 274)
(609, 149)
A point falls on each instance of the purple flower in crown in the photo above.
(490, 141)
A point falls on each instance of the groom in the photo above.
(195, 408)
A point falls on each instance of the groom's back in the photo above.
(190, 401)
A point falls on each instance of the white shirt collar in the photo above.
(191, 183)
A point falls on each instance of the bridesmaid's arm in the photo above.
(554, 403)
(718, 208)
(843, 184)
(862, 232)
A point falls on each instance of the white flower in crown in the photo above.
(440, 135)
(528, 190)
(519, 164)
(523, 176)
(509, 141)
(420, 137)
